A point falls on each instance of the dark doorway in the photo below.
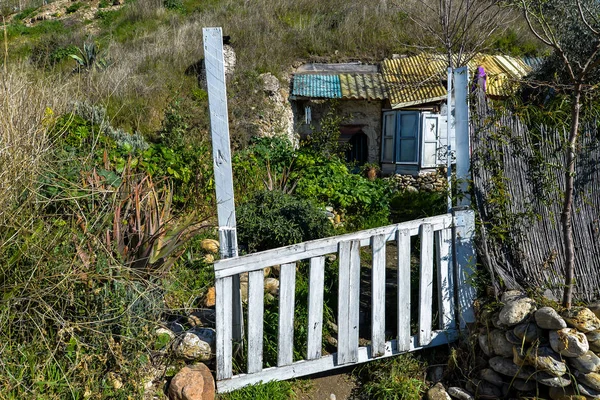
(358, 151)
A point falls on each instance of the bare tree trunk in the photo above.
(568, 201)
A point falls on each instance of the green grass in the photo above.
(396, 378)
(267, 391)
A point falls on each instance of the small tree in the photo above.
(572, 29)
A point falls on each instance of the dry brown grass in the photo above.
(27, 105)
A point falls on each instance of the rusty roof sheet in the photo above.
(363, 87)
(421, 79)
(317, 86)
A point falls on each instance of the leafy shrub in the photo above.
(406, 206)
(174, 5)
(73, 8)
(329, 182)
(273, 219)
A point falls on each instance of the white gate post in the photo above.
(464, 218)
(219, 127)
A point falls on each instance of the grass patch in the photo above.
(266, 391)
(395, 378)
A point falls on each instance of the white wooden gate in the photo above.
(437, 235)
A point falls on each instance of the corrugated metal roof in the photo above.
(414, 80)
(363, 86)
(317, 86)
(421, 79)
(348, 86)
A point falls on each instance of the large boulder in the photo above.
(193, 382)
(516, 311)
(569, 342)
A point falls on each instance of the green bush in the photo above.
(406, 206)
(73, 7)
(273, 219)
(329, 182)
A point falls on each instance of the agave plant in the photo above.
(145, 232)
(89, 57)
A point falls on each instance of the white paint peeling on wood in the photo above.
(378, 296)
(426, 285)
(403, 243)
(219, 126)
(443, 241)
(223, 321)
(326, 363)
(315, 308)
(287, 286)
(320, 247)
(256, 293)
(354, 291)
(344, 303)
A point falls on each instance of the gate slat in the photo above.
(223, 320)
(255, 320)
(403, 243)
(426, 285)
(445, 278)
(348, 301)
(378, 296)
(287, 286)
(315, 308)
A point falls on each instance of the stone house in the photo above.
(395, 113)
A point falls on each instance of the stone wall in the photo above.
(426, 182)
(354, 112)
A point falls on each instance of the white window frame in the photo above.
(425, 117)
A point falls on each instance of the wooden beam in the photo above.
(315, 308)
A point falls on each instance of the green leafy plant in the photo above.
(397, 378)
(273, 219)
(89, 57)
(73, 8)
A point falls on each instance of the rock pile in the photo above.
(532, 351)
(431, 182)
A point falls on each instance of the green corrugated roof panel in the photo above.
(317, 86)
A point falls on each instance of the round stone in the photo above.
(484, 389)
(550, 380)
(548, 318)
(192, 382)
(566, 393)
(582, 319)
(523, 385)
(569, 342)
(516, 311)
(545, 359)
(511, 295)
(506, 367)
(484, 345)
(593, 336)
(196, 344)
(437, 392)
(491, 376)
(595, 346)
(500, 345)
(590, 379)
(589, 362)
(528, 332)
(588, 391)
(459, 393)
(512, 338)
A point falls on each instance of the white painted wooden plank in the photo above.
(443, 241)
(320, 247)
(256, 295)
(354, 306)
(344, 303)
(315, 308)
(403, 243)
(465, 265)
(426, 284)
(287, 286)
(223, 321)
(378, 296)
(221, 149)
(326, 363)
